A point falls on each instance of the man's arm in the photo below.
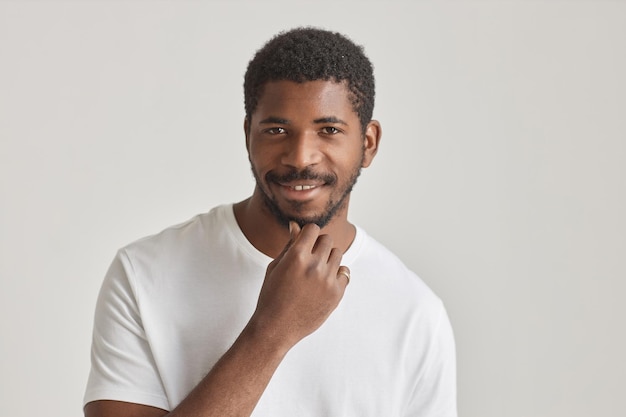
(232, 387)
(106, 408)
(301, 289)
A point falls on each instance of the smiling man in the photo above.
(277, 305)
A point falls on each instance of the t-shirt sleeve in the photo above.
(434, 394)
(122, 364)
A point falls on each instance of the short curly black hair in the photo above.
(310, 54)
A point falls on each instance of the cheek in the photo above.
(260, 168)
(256, 158)
(350, 161)
(262, 154)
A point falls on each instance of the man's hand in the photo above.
(302, 287)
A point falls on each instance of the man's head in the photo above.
(309, 54)
(309, 97)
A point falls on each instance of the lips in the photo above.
(299, 191)
(301, 180)
(300, 187)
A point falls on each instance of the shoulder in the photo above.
(386, 274)
(189, 233)
(176, 247)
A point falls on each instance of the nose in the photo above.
(302, 150)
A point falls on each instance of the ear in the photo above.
(373, 132)
(246, 132)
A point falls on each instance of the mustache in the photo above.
(305, 174)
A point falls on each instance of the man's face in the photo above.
(306, 149)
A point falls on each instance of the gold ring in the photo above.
(346, 274)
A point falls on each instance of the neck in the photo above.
(269, 236)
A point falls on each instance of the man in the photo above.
(277, 305)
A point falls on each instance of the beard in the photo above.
(332, 206)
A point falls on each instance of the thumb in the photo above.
(294, 231)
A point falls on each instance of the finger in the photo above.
(308, 236)
(334, 259)
(294, 232)
(323, 246)
(344, 273)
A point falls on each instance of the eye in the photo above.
(275, 130)
(330, 130)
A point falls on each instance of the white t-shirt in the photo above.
(173, 303)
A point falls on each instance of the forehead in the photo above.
(289, 99)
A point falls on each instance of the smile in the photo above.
(303, 187)
(300, 190)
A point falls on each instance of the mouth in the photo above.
(300, 191)
(301, 187)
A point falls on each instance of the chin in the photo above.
(297, 214)
(321, 221)
(320, 217)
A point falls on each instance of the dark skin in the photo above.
(295, 126)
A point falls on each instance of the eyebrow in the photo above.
(278, 120)
(330, 119)
(274, 120)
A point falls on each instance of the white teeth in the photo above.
(303, 187)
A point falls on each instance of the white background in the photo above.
(500, 180)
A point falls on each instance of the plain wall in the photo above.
(500, 180)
